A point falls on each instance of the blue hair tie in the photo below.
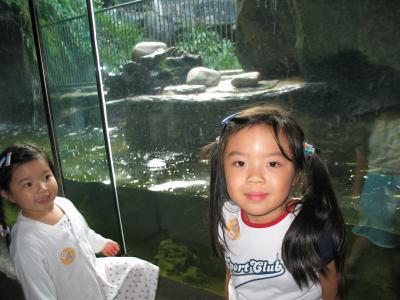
(3, 159)
(6, 159)
(229, 118)
(4, 231)
(309, 149)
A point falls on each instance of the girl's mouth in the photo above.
(256, 196)
(43, 200)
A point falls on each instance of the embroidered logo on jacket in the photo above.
(233, 228)
(258, 269)
(67, 256)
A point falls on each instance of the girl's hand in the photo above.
(110, 249)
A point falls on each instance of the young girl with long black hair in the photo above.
(275, 245)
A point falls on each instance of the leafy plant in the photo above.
(116, 39)
(68, 42)
(217, 53)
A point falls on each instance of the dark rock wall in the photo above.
(288, 37)
(15, 80)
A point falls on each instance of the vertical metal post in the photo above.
(102, 104)
(45, 94)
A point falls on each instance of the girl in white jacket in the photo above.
(52, 247)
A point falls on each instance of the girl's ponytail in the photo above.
(318, 218)
(4, 229)
(215, 207)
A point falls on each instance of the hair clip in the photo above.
(3, 159)
(229, 118)
(4, 231)
(308, 149)
(8, 160)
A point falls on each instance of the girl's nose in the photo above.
(43, 186)
(256, 176)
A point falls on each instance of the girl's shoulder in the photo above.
(27, 235)
(65, 204)
(230, 208)
(63, 201)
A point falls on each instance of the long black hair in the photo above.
(319, 208)
(19, 154)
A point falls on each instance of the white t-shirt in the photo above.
(255, 262)
(384, 146)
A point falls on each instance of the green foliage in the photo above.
(10, 212)
(53, 10)
(116, 40)
(217, 53)
(68, 49)
(61, 53)
(178, 261)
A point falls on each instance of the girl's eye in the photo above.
(47, 177)
(239, 163)
(27, 185)
(273, 164)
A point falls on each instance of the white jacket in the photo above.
(53, 264)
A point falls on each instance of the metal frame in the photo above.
(102, 105)
(103, 110)
(46, 100)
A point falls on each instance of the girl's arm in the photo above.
(110, 249)
(329, 282)
(97, 241)
(227, 278)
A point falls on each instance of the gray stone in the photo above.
(203, 76)
(146, 48)
(184, 89)
(249, 79)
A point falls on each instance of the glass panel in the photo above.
(162, 182)
(341, 82)
(73, 93)
(344, 94)
(22, 118)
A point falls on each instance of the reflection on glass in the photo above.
(377, 191)
(155, 137)
(75, 107)
(22, 118)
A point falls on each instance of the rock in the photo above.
(153, 59)
(151, 73)
(249, 79)
(203, 76)
(179, 66)
(184, 89)
(323, 40)
(134, 78)
(146, 48)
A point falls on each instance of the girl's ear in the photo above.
(6, 195)
(296, 180)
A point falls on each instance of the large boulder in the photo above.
(321, 39)
(203, 76)
(146, 48)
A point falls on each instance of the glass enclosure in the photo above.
(335, 65)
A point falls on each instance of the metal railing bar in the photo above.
(103, 110)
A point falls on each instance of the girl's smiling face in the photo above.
(33, 187)
(258, 176)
